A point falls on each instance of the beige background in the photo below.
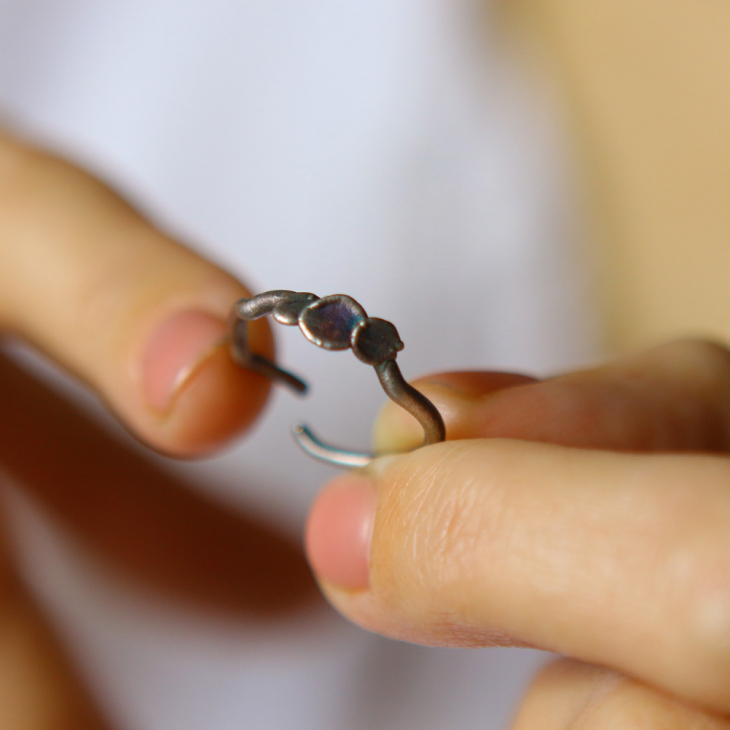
(647, 86)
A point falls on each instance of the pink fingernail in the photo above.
(174, 350)
(339, 531)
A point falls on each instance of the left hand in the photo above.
(607, 542)
(140, 319)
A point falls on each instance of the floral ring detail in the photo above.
(335, 322)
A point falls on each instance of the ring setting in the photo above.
(334, 322)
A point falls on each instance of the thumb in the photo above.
(133, 313)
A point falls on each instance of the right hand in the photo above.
(607, 541)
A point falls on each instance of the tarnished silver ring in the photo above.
(335, 322)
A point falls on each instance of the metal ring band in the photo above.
(335, 322)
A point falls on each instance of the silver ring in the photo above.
(335, 322)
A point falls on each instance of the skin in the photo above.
(586, 514)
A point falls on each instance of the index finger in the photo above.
(135, 314)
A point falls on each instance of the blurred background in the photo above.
(643, 84)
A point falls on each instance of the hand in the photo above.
(606, 541)
(141, 320)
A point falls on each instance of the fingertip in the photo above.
(395, 430)
(191, 398)
(339, 532)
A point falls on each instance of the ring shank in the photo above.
(411, 400)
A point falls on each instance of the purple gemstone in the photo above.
(329, 322)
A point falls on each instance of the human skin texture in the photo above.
(586, 514)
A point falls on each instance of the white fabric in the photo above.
(387, 149)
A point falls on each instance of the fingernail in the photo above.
(178, 345)
(339, 531)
